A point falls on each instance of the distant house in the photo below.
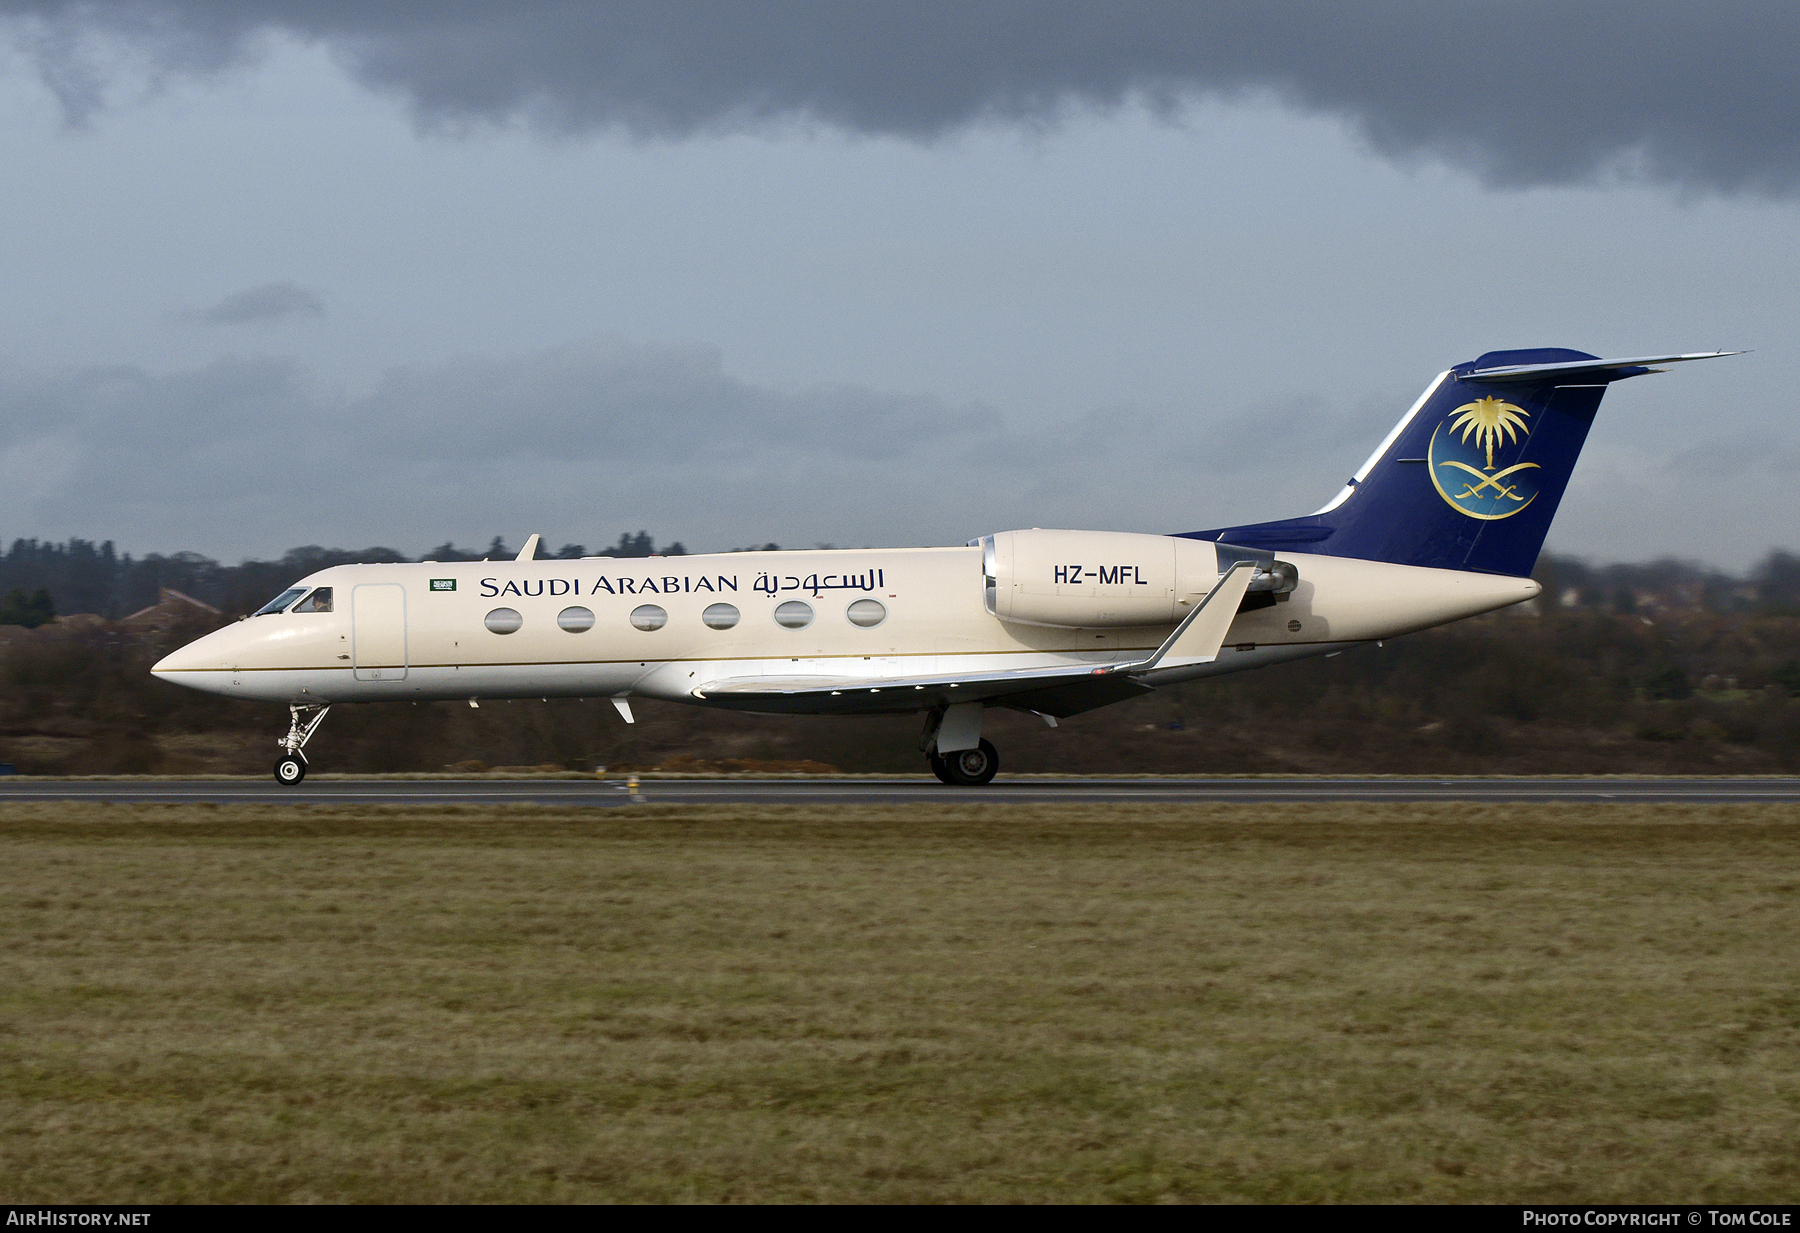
(56, 629)
(16, 635)
(170, 609)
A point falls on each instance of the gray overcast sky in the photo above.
(285, 273)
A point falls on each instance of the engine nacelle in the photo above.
(1105, 579)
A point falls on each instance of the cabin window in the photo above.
(720, 616)
(866, 613)
(503, 620)
(575, 620)
(318, 601)
(648, 617)
(794, 614)
(280, 601)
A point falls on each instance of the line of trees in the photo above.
(1569, 690)
(30, 611)
(79, 575)
(44, 578)
(1664, 666)
(1771, 586)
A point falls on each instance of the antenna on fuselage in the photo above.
(529, 551)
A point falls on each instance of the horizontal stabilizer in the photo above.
(1599, 370)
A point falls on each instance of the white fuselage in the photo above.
(424, 631)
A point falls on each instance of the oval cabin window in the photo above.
(794, 614)
(720, 616)
(575, 620)
(866, 613)
(648, 616)
(503, 620)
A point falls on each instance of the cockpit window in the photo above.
(281, 601)
(318, 601)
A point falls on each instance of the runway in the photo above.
(890, 791)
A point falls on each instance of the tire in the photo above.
(971, 768)
(290, 771)
(939, 767)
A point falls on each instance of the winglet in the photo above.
(1202, 632)
(529, 551)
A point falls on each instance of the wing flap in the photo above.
(1063, 690)
(900, 692)
(1073, 697)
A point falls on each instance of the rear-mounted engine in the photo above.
(1105, 579)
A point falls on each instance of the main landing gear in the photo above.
(970, 761)
(290, 768)
(968, 768)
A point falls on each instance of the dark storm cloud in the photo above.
(270, 302)
(1522, 93)
(252, 455)
(129, 440)
(255, 455)
(608, 399)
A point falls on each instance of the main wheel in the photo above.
(972, 767)
(939, 767)
(290, 771)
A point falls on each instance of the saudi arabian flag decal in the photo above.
(1474, 459)
(443, 584)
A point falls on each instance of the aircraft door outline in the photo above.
(378, 631)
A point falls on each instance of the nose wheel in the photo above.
(967, 768)
(303, 721)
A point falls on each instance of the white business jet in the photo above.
(1444, 521)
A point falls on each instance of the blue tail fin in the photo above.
(1471, 477)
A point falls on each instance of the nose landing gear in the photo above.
(303, 721)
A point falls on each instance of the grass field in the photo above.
(1358, 1002)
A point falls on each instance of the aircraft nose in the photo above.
(182, 659)
(201, 664)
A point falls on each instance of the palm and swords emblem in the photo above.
(1485, 424)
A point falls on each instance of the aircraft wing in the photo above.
(1061, 690)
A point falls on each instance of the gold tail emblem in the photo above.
(1490, 481)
